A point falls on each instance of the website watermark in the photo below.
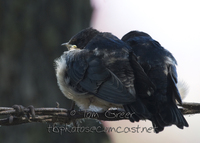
(97, 129)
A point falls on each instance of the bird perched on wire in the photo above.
(98, 72)
(160, 66)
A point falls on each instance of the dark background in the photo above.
(31, 32)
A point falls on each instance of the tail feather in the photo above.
(138, 111)
(167, 116)
(158, 126)
(133, 116)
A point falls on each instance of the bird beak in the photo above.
(69, 46)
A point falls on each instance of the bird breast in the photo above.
(85, 101)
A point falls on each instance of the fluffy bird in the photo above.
(160, 66)
(99, 72)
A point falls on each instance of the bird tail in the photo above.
(137, 110)
(168, 115)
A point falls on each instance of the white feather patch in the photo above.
(168, 61)
(183, 88)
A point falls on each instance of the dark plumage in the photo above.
(99, 72)
(82, 38)
(160, 66)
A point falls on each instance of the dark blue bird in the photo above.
(160, 66)
(99, 72)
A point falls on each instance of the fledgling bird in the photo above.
(96, 73)
(160, 66)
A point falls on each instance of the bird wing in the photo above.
(142, 82)
(173, 79)
(90, 74)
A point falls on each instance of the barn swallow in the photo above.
(99, 72)
(160, 66)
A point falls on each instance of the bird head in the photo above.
(81, 39)
(133, 34)
(69, 46)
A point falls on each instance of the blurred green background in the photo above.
(31, 32)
